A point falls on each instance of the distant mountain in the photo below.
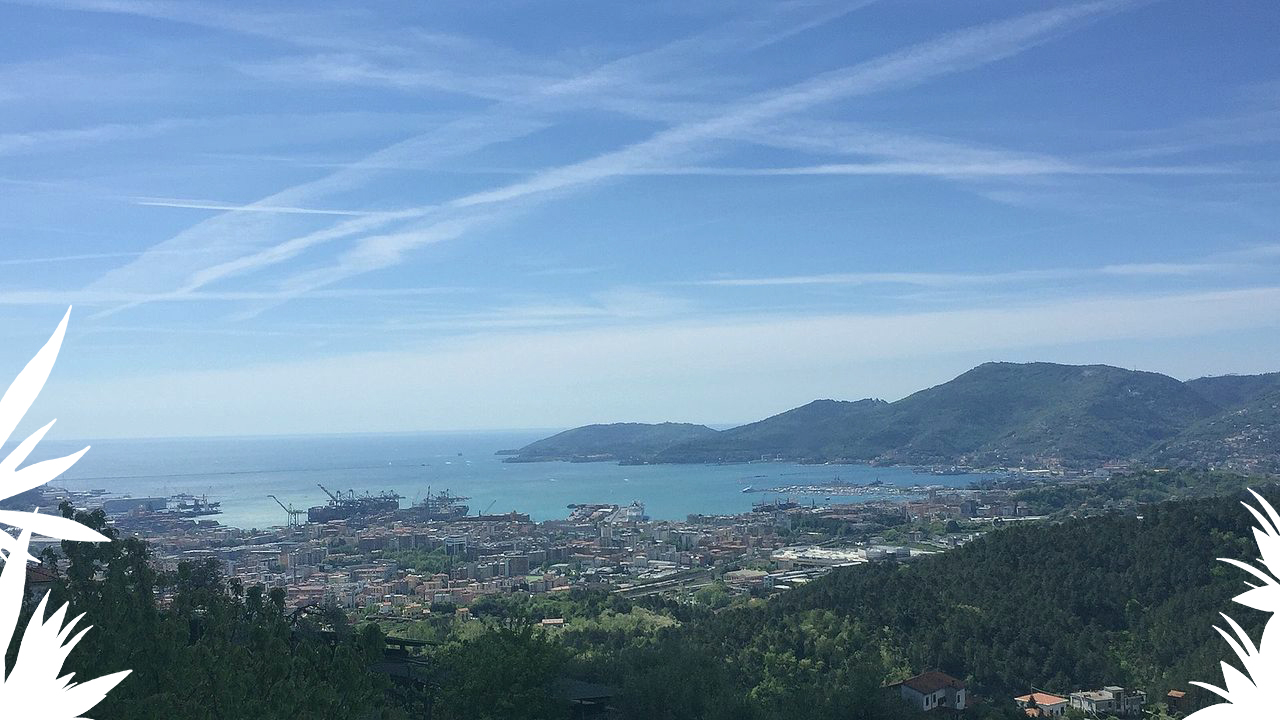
(1244, 436)
(1003, 413)
(821, 430)
(995, 414)
(618, 442)
(1231, 391)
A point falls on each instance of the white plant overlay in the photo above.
(32, 687)
(1249, 694)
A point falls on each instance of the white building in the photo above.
(1110, 699)
(934, 689)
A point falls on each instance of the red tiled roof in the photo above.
(1041, 698)
(36, 574)
(932, 681)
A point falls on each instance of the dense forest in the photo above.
(1115, 599)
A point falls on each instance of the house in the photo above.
(1042, 705)
(934, 689)
(1111, 699)
(39, 581)
(1174, 700)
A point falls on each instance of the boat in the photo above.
(186, 505)
(440, 506)
(748, 488)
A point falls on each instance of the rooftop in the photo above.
(1040, 698)
(932, 681)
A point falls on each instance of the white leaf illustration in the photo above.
(1247, 693)
(51, 526)
(18, 398)
(35, 685)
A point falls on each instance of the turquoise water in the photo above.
(241, 472)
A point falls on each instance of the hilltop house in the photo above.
(934, 689)
(1111, 699)
(1044, 705)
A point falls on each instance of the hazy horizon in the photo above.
(539, 431)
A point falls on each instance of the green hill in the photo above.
(997, 414)
(1245, 437)
(1229, 391)
(821, 430)
(1002, 413)
(620, 442)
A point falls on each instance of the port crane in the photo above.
(486, 508)
(293, 514)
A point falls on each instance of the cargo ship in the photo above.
(440, 506)
(187, 505)
(182, 505)
(344, 506)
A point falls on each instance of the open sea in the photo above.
(242, 472)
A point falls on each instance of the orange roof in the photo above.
(1041, 698)
(932, 681)
(37, 574)
(1177, 694)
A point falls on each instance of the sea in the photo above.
(242, 472)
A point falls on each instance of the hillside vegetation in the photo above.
(617, 442)
(997, 414)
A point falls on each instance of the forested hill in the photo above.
(1235, 390)
(1245, 438)
(994, 414)
(616, 442)
(1113, 600)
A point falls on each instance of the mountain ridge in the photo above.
(997, 414)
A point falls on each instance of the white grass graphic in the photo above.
(33, 687)
(1249, 694)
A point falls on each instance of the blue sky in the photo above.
(427, 216)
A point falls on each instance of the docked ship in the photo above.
(182, 505)
(186, 505)
(440, 506)
(344, 506)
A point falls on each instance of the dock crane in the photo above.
(486, 509)
(293, 514)
(332, 497)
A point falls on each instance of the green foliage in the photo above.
(1128, 490)
(200, 648)
(1086, 603)
(423, 562)
(715, 596)
(1246, 436)
(501, 675)
(1089, 602)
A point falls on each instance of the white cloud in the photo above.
(734, 367)
(950, 280)
(952, 53)
(252, 207)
